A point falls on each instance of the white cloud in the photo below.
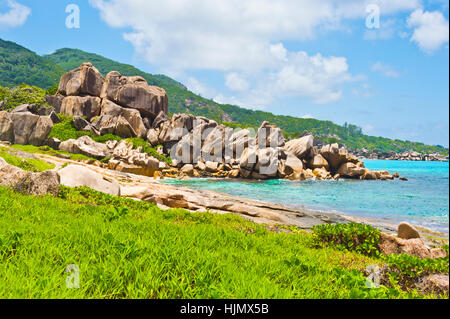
(244, 40)
(385, 70)
(199, 88)
(235, 82)
(431, 29)
(307, 116)
(16, 16)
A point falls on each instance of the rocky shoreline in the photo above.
(404, 156)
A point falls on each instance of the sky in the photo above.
(380, 64)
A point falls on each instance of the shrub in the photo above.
(354, 237)
(22, 94)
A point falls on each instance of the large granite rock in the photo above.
(238, 142)
(128, 160)
(290, 166)
(87, 106)
(300, 147)
(389, 244)
(351, 170)
(85, 80)
(336, 156)
(134, 92)
(178, 126)
(120, 121)
(24, 128)
(318, 161)
(406, 231)
(55, 101)
(86, 146)
(269, 136)
(26, 182)
(77, 176)
(6, 127)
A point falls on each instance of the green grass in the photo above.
(49, 151)
(27, 164)
(129, 249)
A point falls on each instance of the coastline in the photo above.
(430, 236)
(168, 196)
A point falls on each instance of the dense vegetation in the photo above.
(22, 94)
(182, 100)
(129, 249)
(19, 65)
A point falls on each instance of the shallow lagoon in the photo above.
(423, 200)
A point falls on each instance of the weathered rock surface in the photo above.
(24, 128)
(120, 121)
(84, 106)
(406, 231)
(269, 136)
(85, 146)
(26, 182)
(393, 245)
(318, 161)
(77, 176)
(134, 92)
(300, 147)
(6, 127)
(336, 156)
(128, 160)
(86, 79)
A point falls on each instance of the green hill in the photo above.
(21, 65)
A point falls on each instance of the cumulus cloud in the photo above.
(244, 40)
(385, 70)
(235, 82)
(431, 29)
(16, 16)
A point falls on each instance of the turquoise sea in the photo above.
(423, 200)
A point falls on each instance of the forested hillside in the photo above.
(19, 65)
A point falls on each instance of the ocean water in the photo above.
(423, 200)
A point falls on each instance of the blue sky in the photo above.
(303, 58)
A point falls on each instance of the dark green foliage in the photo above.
(19, 65)
(353, 237)
(412, 266)
(22, 94)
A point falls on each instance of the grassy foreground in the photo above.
(129, 249)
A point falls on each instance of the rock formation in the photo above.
(126, 106)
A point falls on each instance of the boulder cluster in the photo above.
(128, 107)
(404, 156)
